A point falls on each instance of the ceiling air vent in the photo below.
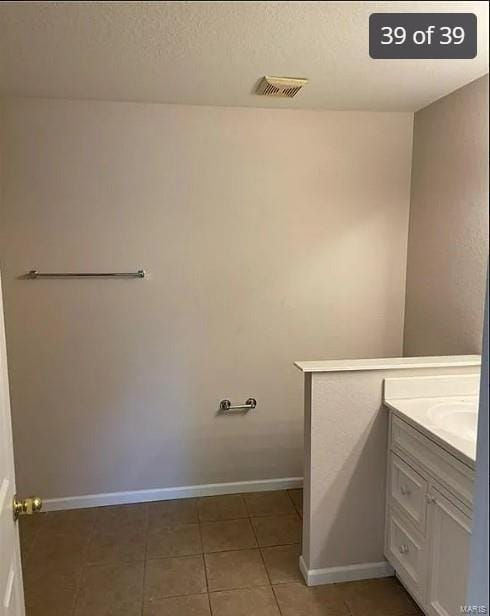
(285, 87)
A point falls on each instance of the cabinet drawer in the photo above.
(453, 474)
(407, 554)
(408, 490)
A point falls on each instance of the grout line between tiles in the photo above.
(266, 570)
(261, 555)
(246, 506)
(84, 563)
(300, 513)
(209, 604)
(291, 499)
(349, 611)
(204, 563)
(277, 600)
(143, 582)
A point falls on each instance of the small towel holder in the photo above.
(225, 406)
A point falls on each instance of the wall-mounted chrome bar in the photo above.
(33, 274)
(226, 407)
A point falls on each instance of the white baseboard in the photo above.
(144, 496)
(349, 573)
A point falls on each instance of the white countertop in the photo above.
(387, 363)
(414, 412)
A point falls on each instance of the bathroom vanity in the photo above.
(347, 427)
(431, 462)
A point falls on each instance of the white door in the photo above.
(450, 533)
(11, 589)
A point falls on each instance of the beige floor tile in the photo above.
(268, 503)
(111, 590)
(231, 570)
(58, 544)
(191, 605)
(297, 497)
(277, 530)
(55, 550)
(110, 519)
(167, 513)
(122, 545)
(299, 600)
(183, 540)
(245, 602)
(29, 527)
(227, 535)
(171, 577)
(378, 596)
(282, 563)
(48, 591)
(73, 521)
(215, 508)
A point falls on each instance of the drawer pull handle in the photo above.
(403, 549)
(430, 499)
(405, 491)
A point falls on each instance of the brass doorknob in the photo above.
(26, 506)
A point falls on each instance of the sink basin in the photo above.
(458, 418)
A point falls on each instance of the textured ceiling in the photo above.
(213, 53)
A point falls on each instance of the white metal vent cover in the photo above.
(285, 87)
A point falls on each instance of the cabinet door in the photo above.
(449, 536)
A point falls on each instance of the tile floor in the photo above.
(231, 555)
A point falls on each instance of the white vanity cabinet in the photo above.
(449, 532)
(428, 519)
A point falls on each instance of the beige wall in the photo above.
(268, 236)
(448, 237)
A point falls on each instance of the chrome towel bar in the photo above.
(226, 407)
(33, 274)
